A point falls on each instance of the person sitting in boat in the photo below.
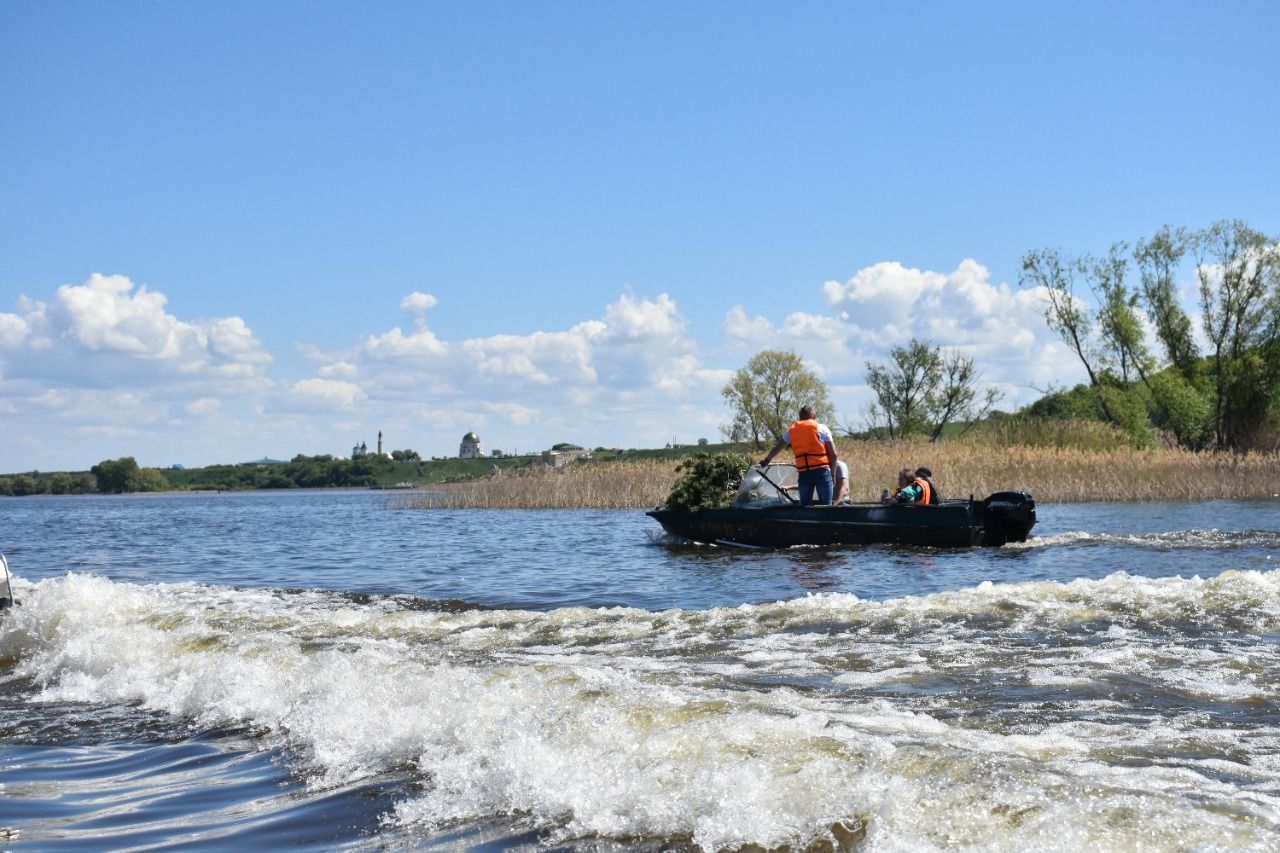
(816, 457)
(912, 489)
(842, 483)
(925, 474)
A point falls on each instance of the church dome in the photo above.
(471, 438)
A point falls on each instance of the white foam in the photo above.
(623, 723)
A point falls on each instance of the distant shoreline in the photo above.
(1049, 474)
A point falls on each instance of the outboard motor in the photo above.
(6, 589)
(1007, 517)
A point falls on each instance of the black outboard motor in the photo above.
(1007, 517)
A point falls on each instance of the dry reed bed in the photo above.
(1051, 475)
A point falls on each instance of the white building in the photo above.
(470, 447)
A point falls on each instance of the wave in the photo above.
(991, 718)
(1211, 539)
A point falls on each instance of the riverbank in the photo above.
(1051, 475)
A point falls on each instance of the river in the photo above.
(328, 670)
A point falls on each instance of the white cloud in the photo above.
(338, 370)
(752, 331)
(327, 393)
(630, 377)
(418, 303)
(396, 344)
(515, 414)
(204, 406)
(107, 332)
(13, 331)
(641, 319)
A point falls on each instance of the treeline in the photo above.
(301, 472)
(36, 483)
(1217, 390)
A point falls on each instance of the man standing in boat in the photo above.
(816, 458)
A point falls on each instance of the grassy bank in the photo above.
(1051, 474)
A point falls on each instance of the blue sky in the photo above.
(234, 230)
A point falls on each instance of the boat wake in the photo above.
(998, 717)
(1212, 539)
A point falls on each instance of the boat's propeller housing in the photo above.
(1008, 517)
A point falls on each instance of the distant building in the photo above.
(470, 447)
(563, 454)
(361, 450)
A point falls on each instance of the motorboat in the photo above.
(765, 513)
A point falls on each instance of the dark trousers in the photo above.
(818, 480)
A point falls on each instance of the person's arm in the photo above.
(908, 494)
(778, 445)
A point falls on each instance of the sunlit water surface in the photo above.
(327, 670)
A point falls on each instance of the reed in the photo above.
(1051, 474)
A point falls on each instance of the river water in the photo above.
(332, 671)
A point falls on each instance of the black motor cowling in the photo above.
(1008, 517)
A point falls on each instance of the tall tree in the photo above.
(765, 396)
(1118, 321)
(1158, 261)
(902, 388)
(921, 391)
(116, 476)
(1066, 313)
(1239, 275)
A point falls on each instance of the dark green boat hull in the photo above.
(1003, 517)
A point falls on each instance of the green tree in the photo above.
(765, 396)
(1158, 260)
(1066, 313)
(113, 475)
(148, 480)
(24, 485)
(1238, 270)
(922, 391)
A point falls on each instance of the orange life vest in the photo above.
(810, 452)
(926, 493)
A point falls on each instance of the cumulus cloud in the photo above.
(752, 331)
(326, 393)
(13, 331)
(338, 370)
(418, 303)
(629, 376)
(396, 344)
(642, 319)
(108, 330)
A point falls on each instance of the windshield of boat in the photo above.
(760, 486)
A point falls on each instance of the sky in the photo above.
(238, 230)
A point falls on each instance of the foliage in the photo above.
(1229, 398)
(922, 391)
(765, 397)
(707, 480)
(1158, 260)
(117, 476)
(1024, 430)
(1239, 275)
